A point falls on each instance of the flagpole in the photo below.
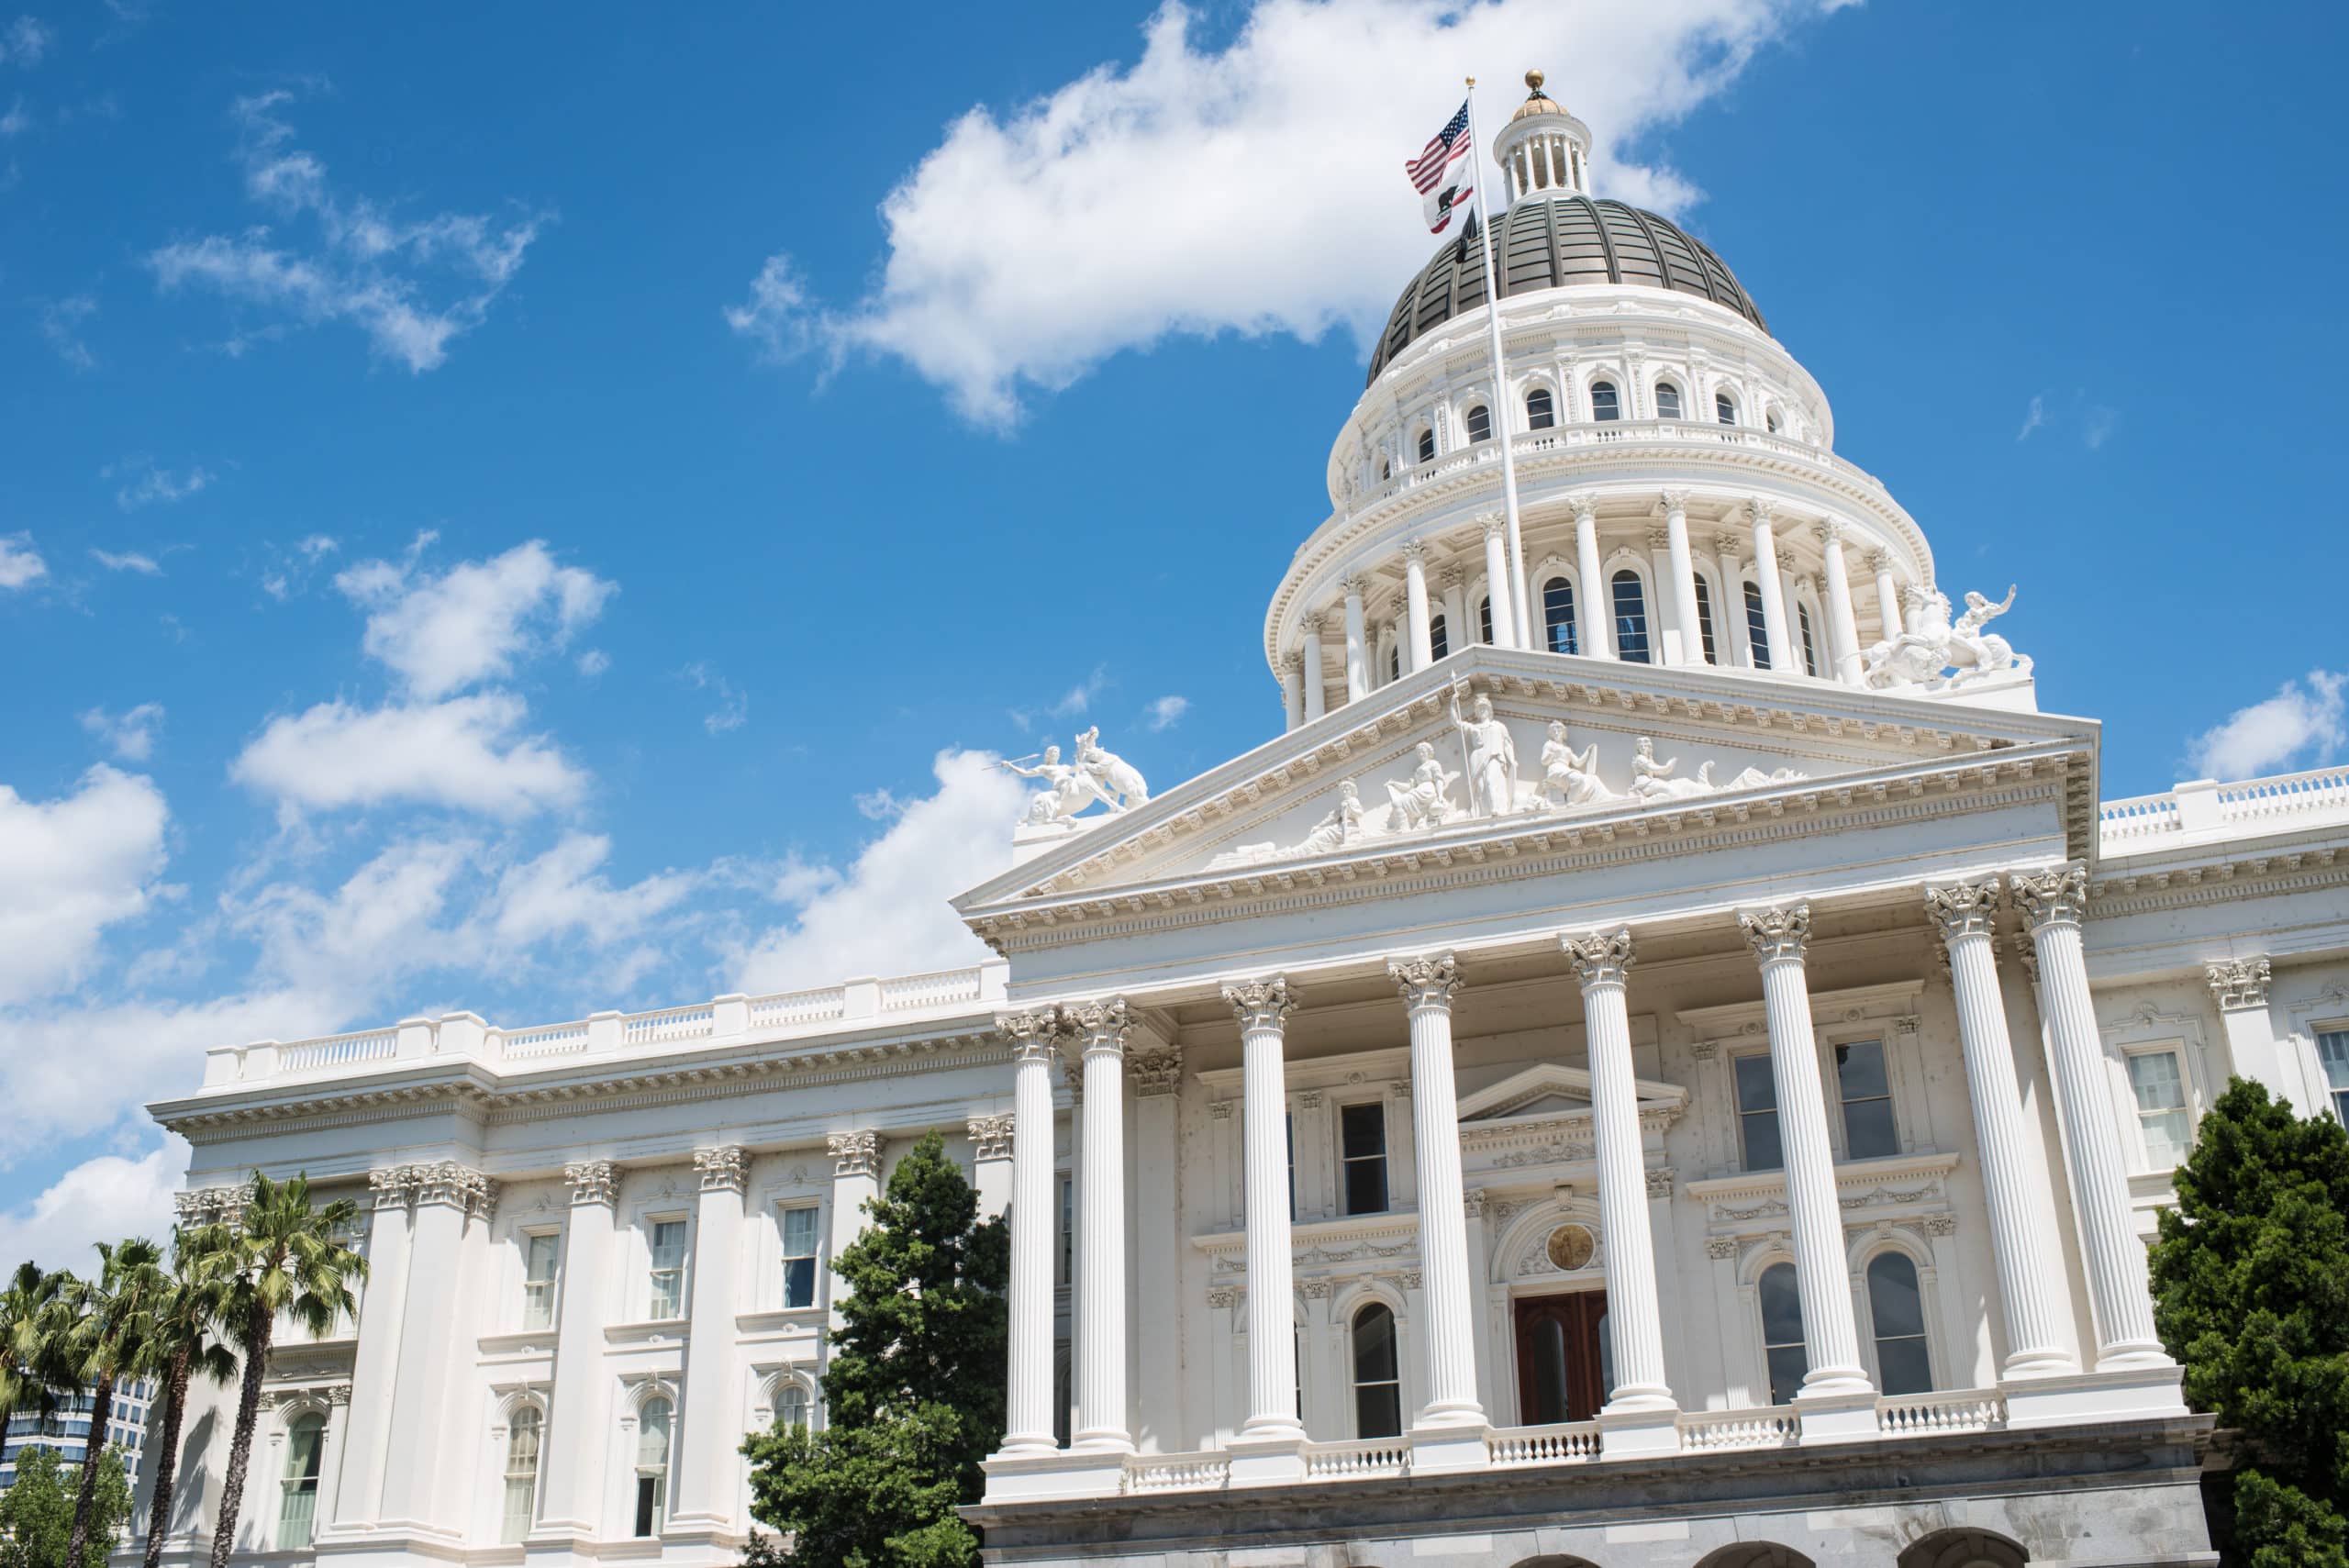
(1502, 398)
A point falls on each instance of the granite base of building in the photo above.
(2119, 1494)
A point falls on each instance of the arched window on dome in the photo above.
(1378, 1381)
(1774, 422)
(1724, 407)
(1705, 621)
(1810, 643)
(1439, 636)
(1395, 660)
(1558, 615)
(1386, 470)
(1541, 409)
(1480, 423)
(1604, 407)
(1485, 619)
(1757, 626)
(1427, 446)
(1630, 618)
(1897, 1314)
(1667, 401)
(1782, 1332)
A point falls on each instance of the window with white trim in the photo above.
(1705, 621)
(668, 1275)
(2157, 1085)
(1362, 1157)
(792, 1407)
(1480, 423)
(799, 1246)
(1864, 1089)
(1667, 401)
(524, 1436)
(1485, 620)
(2332, 1054)
(1439, 636)
(1427, 446)
(1757, 626)
(1541, 409)
(1897, 1314)
(1757, 1112)
(297, 1509)
(1378, 1377)
(1630, 617)
(1604, 406)
(1725, 408)
(651, 1477)
(1810, 647)
(539, 1251)
(1558, 614)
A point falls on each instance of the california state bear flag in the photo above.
(1442, 173)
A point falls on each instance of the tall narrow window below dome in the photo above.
(1667, 401)
(1541, 409)
(1603, 404)
(1480, 423)
(1427, 446)
(1757, 626)
(1725, 407)
(1439, 636)
(1378, 1382)
(1630, 618)
(1558, 614)
(1810, 648)
(1773, 423)
(1485, 619)
(1705, 621)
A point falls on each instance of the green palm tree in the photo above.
(284, 1258)
(105, 1329)
(29, 1316)
(184, 1345)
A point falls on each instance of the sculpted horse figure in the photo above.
(1118, 781)
(1961, 648)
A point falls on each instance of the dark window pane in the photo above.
(1540, 414)
(1893, 1300)
(1362, 1133)
(1485, 619)
(1787, 1365)
(1781, 1331)
(1725, 408)
(799, 1282)
(1439, 636)
(1869, 1132)
(1480, 423)
(1757, 626)
(1630, 618)
(1602, 401)
(1558, 614)
(1756, 1089)
(1868, 1128)
(1667, 401)
(1859, 1072)
(1366, 1185)
(1427, 445)
(1549, 1372)
(1905, 1366)
(1375, 1357)
(1763, 1152)
(1378, 1411)
(1705, 621)
(1364, 1130)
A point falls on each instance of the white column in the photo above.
(1028, 1406)
(1158, 1248)
(1262, 1007)
(1496, 584)
(575, 1434)
(1842, 627)
(2022, 1244)
(1316, 697)
(1357, 643)
(1683, 567)
(382, 1304)
(1293, 688)
(2054, 901)
(1740, 651)
(1448, 1330)
(710, 1474)
(1100, 1029)
(1597, 612)
(1785, 651)
(991, 1163)
(1417, 651)
(447, 1195)
(1634, 1314)
(1459, 629)
(1887, 594)
(1831, 1335)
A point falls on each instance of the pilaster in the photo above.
(707, 1464)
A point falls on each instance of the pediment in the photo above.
(1721, 746)
(1549, 1090)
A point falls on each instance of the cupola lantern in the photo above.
(1544, 150)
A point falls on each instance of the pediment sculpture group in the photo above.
(1099, 778)
(1945, 655)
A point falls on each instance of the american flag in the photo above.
(1443, 171)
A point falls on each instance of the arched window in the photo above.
(1773, 423)
(1541, 409)
(1705, 621)
(1810, 647)
(1898, 1311)
(1667, 401)
(1724, 407)
(1757, 626)
(791, 1406)
(1439, 636)
(1630, 618)
(1603, 405)
(1427, 446)
(1782, 1332)
(1395, 660)
(1386, 470)
(523, 1434)
(1558, 615)
(653, 1466)
(1378, 1383)
(297, 1510)
(1485, 619)
(1480, 423)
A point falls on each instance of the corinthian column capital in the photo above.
(1777, 935)
(1586, 507)
(1415, 550)
(1602, 958)
(1963, 908)
(1260, 1004)
(1100, 1025)
(1031, 1034)
(1762, 511)
(592, 1182)
(1674, 501)
(724, 1169)
(1493, 525)
(2059, 896)
(1426, 982)
(1352, 585)
(2239, 982)
(855, 1153)
(1828, 531)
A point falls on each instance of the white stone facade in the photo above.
(1713, 1116)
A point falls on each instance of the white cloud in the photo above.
(467, 753)
(288, 572)
(2299, 723)
(128, 560)
(129, 735)
(1165, 712)
(2099, 426)
(887, 913)
(61, 319)
(1253, 188)
(17, 120)
(103, 1199)
(470, 623)
(1080, 697)
(2034, 418)
(733, 707)
(563, 894)
(24, 40)
(413, 286)
(20, 563)
(73, 866)
(593, 663)
(144, 484)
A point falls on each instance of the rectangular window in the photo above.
(1705, 621)
(668, 1269)
(1757, 1113)
(1362, 1148)
(1866, 1094)
(2159, 1086)
(2332, 1051)
(538, 1278)
(799, 1257)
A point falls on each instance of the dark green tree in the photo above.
(37, 1510)
(2251, 1292)
(914, 1393)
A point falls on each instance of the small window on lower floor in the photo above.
(799, 1257)
(2158, 1085)
(1757, 1112)
(1865, 1093)
(1362, 1154)
(651, 1499)
(1378, 1382)
(522, 1445)
(1782, 1332)
(791, 1407)
(297, 1510)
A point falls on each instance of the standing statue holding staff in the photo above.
(1491, 757)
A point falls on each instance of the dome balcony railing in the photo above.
(1681, 434)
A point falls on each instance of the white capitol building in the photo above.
(1665, 1062)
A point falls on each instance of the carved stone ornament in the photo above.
(1570, 1248)
(1316, 1289)
(1158, 1071)
(448, 1184)
(1098, 777)
(991, 1135)
(1032, 1034)
(856, 1153)
(1100, 1025)
(1963, 908)
(1220, 1295)
(1660, 1180)
(1938, 1224)
(2239, 982)
(1720, 1249)
(1705, 1050)
(1586, 507)
(1672, 501)
(1960, 647)
(2027, 954)
(592, 1181)
(1073, 1077)
(1603, 958)
(2055, 897)
(1428, 982)
(1473, 1202)
(1777, 936)
(1260, 1004)
(1411, 1279)
(224, 1205)
(726, 1169)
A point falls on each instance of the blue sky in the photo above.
(544, 510)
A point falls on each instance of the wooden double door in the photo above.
(1562, 1371)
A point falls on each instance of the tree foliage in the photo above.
(37, 1510)
(2251, 1286)
(914, 1393)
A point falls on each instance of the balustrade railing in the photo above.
(547, 1039)
(1533, 445)
(789, 1007)
(1776, 1427)
(943, 988)
(669, 1024)
(1917, 1415)
(1372, 1456)
(1178, 1473)
(2205, 808)
(338, 1051)
(2288, 794)
(1573, 1442)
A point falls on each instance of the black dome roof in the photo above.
(1555, 243)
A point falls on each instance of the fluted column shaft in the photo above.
(1784, 653)
(1357, 644)
(572, 1499)
(1597, 616)
(1263, 1008)
(1505, 627)
(1684, 577)
(2022, 1244)
(1101, 1030)
(1316, 698)
(1887, 594)
(1739, 652)
(1635, 1315)
(1027, 1410)
(1842, 627)
(1420, 650)
(1830, 1333)
(2055, 902)
(1450, 1331)
(708, 1482)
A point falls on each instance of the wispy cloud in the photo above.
(142, 484)
(2034, 418)
(2075, 413)
(733, 707)
(60, 325)
(288, 571)
(2098, 425)
(128, 560)
(129, 735)
(1166, 713)
(20, 563)
(2302, 724)
(1079, 698)
(24, 40)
